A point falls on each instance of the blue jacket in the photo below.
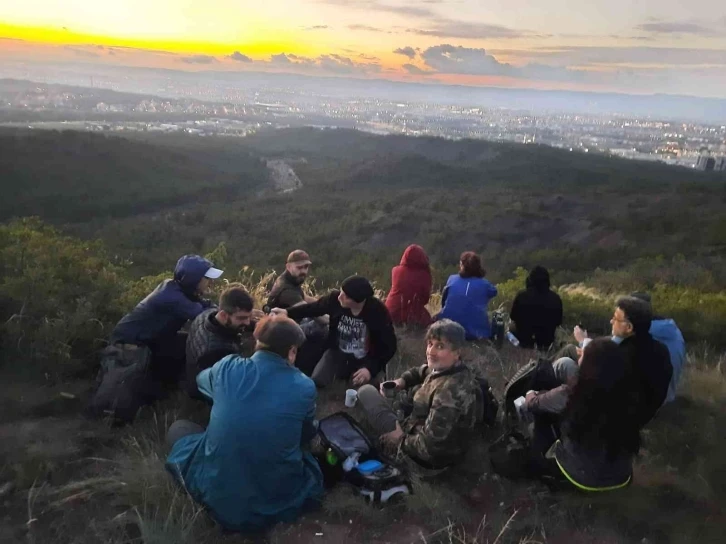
(249, 468)
(165, 311)
(465, 301)
(667, 332)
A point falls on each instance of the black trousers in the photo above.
(168, 359)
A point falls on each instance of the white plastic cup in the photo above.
(351, 397)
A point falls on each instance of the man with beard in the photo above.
(215, 333)
(287, 292)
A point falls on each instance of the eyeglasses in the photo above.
(613, 318)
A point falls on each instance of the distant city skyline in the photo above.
(664, 46)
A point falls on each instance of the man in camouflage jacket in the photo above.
(447, 403)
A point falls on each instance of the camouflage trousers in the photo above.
(382, 419)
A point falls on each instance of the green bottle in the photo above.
(331, 458)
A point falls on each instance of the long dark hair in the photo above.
(471, 265)
(599, 411)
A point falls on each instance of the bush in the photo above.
(59, 296)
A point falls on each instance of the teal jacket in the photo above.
(249, 468)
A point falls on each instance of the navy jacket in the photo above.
(165, 311)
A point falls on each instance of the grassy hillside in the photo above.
(65, 479)
(75, 176)
(611, 224)
(366, 197)
(68, 480)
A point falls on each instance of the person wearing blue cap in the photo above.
(156, 320)
(146, 351)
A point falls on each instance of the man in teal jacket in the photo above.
(249, 467)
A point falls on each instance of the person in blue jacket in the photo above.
(665, 331)
(466, 297)
(249, 467)
(156, 320)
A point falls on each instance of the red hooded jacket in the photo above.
(410, 288)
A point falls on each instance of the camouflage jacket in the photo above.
(447, 407)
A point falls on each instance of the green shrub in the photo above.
(59, 296)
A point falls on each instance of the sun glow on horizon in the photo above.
(462, 42)
(256, 46)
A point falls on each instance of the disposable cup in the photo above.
(351, 397)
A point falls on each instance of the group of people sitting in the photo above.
(252, 467)
(535, 315)
(591, 403)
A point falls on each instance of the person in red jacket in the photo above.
(410, 288)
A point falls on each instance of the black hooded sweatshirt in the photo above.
(536, 311)
(381, 336)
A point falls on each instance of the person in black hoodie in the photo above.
(361, 339)
(536, 311)
(648, 360)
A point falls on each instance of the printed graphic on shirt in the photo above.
(352, 333)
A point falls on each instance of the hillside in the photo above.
(75, 176)
(69, 480)
(364, 198)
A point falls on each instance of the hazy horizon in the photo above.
(169, 82)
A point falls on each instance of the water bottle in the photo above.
(513, 339)
(331, 458)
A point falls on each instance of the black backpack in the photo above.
(342, 436)
(535, 375)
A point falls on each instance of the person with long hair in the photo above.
(600, 436)
(466, 297)
(410, 288)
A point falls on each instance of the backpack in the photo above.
(124, 383)
(343, 437)
(510, 455)
(536, 375)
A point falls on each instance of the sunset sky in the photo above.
(669, 46)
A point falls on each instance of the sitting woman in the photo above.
(410, 288)
(447, 403)
(600, 436)
(466, 297)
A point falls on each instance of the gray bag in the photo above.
(124, 383)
